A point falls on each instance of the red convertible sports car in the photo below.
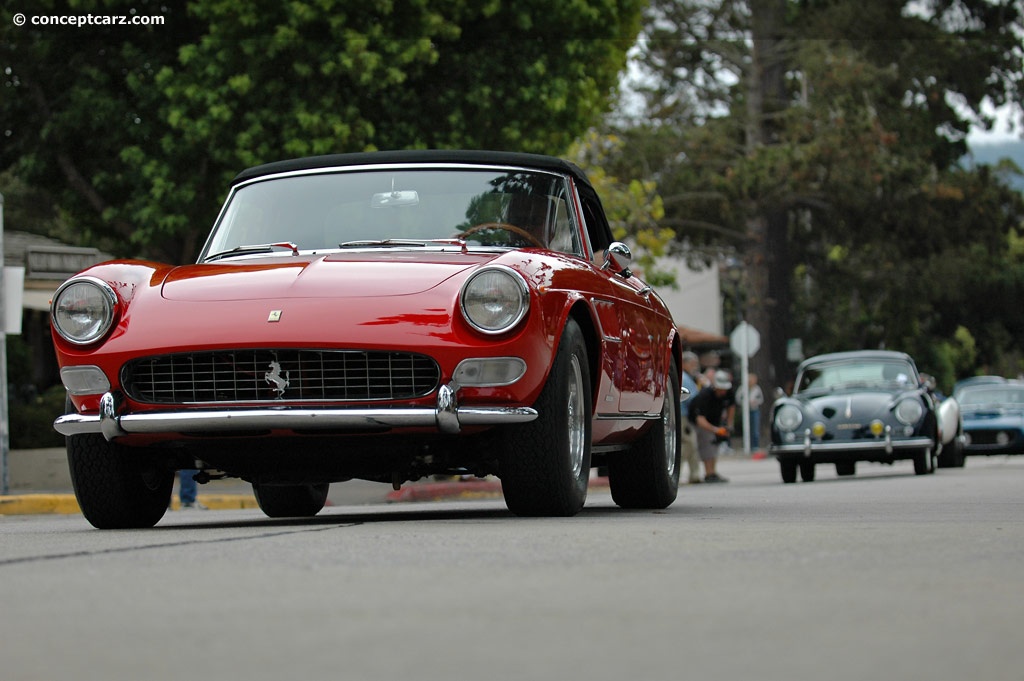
(383, 316)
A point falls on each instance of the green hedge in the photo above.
(32, 423)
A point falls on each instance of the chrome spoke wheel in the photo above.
(575, 413)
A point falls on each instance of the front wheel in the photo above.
(291, 501)
(545, 464)
(788, 469)
(846, 468)
(807, 471)
(117, 487)
(647, 476)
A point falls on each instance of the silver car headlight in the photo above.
(83, 310)
(788, 417)
(909, 411)
(495, 299)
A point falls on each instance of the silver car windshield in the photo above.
(993, 396)
(397, 208)
(886, 374)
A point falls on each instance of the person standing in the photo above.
(187, 490)
(755, 398)
(691, 371)
(709, 411)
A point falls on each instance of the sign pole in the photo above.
(745, 377)
(5, 437)
(745, 341)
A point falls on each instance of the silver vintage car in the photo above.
(865, 405)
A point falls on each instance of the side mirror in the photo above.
(618, 258)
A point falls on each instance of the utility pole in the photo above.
(5, 432)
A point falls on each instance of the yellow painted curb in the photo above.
(35, 504)
(220, 502)
(30, 504)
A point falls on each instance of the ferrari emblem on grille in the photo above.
(275, 378)
(275, 316)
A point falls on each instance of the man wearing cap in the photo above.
(709, 411)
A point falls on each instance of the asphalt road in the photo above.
(883, 576)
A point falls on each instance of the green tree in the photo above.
(633, 207)
(818, 141)
(138, 130)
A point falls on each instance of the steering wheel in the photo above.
(506, 227)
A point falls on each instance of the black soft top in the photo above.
(600, 230)
(500, 158)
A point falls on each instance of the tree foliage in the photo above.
(137, 130)
(819, 141)
(633, 206)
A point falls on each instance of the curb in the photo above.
(448, 490)
(455, 489)
(461, 489)
(66, 504)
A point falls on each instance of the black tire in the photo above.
(647, 476)
(846, 468)
(952, 455)
(117, 487)
(545, 464)
(291, 501)
(807, 471)
(923, 462)
(788, 469)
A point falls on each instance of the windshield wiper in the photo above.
(255, 248)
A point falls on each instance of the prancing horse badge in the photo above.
(275, 316)
(277, 378)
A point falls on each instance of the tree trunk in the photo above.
(767, 252)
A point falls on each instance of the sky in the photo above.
(1000, 134)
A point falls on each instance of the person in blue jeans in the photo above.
(188, 488)
(691, 372)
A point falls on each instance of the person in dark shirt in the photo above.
(709, 412)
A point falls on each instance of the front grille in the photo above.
(279, 375)
(991, 437)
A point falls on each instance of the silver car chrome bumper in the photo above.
(885, 444)
(447, 417)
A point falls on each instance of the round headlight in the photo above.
(788, 417)
(909, 411)
(83, 310)
(495, 299)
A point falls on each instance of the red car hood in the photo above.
(338, 275)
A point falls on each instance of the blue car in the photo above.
(993, 418)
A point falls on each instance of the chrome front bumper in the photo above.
(447, 417)
(886, 444)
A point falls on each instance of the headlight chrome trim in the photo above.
(109, 303)
(909, 411)
(789, 417)
(522, 289)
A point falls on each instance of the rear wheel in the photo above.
(291, 501)
(924, 462)
(545, 464)
(117, 487)
(647, 476)
(952, 455)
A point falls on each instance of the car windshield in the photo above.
(888, 374)
(397, 208)
(993, 396)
